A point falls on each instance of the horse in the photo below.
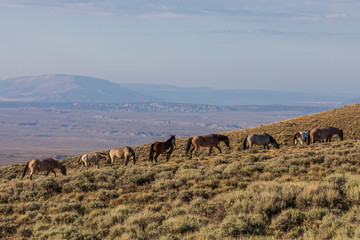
(47, 164)
(262, 139)
(211, 140)
(301, 137)
(325, 133)
(126, 153)
(92, 157)
(158, 148)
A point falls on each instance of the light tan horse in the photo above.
(325, 133)
(211, 140)
(126, 153)
(94, 157)
(40, 165)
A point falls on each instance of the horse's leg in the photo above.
(210, 151)
(31, 173)
(97, 164)
(218, 148)
(47, 173)
(54, 172)
(330, 138)
(191, 151)
(168, 156)
(156, 156)
(195, 150)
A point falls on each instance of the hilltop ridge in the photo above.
(346, 118)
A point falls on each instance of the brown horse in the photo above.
(92, 157)
(325, 133)
(126, 153)
(166, 147)
(40, 165)
(211, 140)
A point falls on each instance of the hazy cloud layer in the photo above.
(285, 10)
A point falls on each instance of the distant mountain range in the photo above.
(69, 88)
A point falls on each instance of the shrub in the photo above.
(6, 209)
(319, 196)
(287, 220)
(236, 226)
(107, 195)
(201, 207)
(45, 188)
(182, 224)
(144, 218)
(352, 188)
(66, 218)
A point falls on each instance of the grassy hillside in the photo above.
(304, 192)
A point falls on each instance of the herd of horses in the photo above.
(193, 144)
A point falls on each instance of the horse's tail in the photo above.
(78, 160)
(244, 142)
(308, 138)
(293, 139)
(25, 169)
(188, 144)
(151, 154)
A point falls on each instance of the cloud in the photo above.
(261, 10)
(165, 15)
(336, 15)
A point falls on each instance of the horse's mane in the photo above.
(131, 150)
(271, 138)
(221, 137)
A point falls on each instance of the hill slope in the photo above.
(296, 192)
(346, 118)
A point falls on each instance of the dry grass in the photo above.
(296, 192)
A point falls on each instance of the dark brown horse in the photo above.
(211, 140)
(158, 148)
(40, 165)
(325, 133)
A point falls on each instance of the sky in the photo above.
(287, 45)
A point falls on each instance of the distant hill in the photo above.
(204, 95)
(70, 88)
(67, 88)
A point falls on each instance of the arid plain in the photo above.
(40, 132)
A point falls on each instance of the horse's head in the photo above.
(173, 139)
(273, 142)
(341, 134)
(227, 142)
(133, 157)
(63, 170)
